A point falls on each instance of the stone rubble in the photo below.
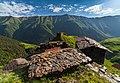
(45, 63)
(102, 70)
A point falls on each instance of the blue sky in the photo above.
(88, 8)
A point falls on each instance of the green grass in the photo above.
(111, 69)
(4, 57)
(10, 49)
(70, 40)
(26, 45)
(81, 75)
(10, 77)
(114, 45)
(84, 75)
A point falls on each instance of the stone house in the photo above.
(92, 49)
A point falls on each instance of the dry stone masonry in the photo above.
(92, 49)
(60, 57)
(65, 58)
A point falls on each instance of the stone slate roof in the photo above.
(55, 60)
(85, 42)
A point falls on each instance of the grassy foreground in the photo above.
(80, 75)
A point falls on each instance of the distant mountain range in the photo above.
(40, 28)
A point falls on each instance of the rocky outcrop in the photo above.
(16, 64)
(58, 61)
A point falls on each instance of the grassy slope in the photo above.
(9, 77)
(111, 69)
(81, 75)
(70, 40)
(10, 49)
(114, 45)
(26, 45)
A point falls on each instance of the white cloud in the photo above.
(54, 8)
(117, 10)
(63, 5)
(81, 7)
(50, 6)
(13, 3)
(57, 9)
(65, 8)
(78, 10)
(101, 10)
(37, 6)
(15, 9)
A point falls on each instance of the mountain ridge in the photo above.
(38, 29)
